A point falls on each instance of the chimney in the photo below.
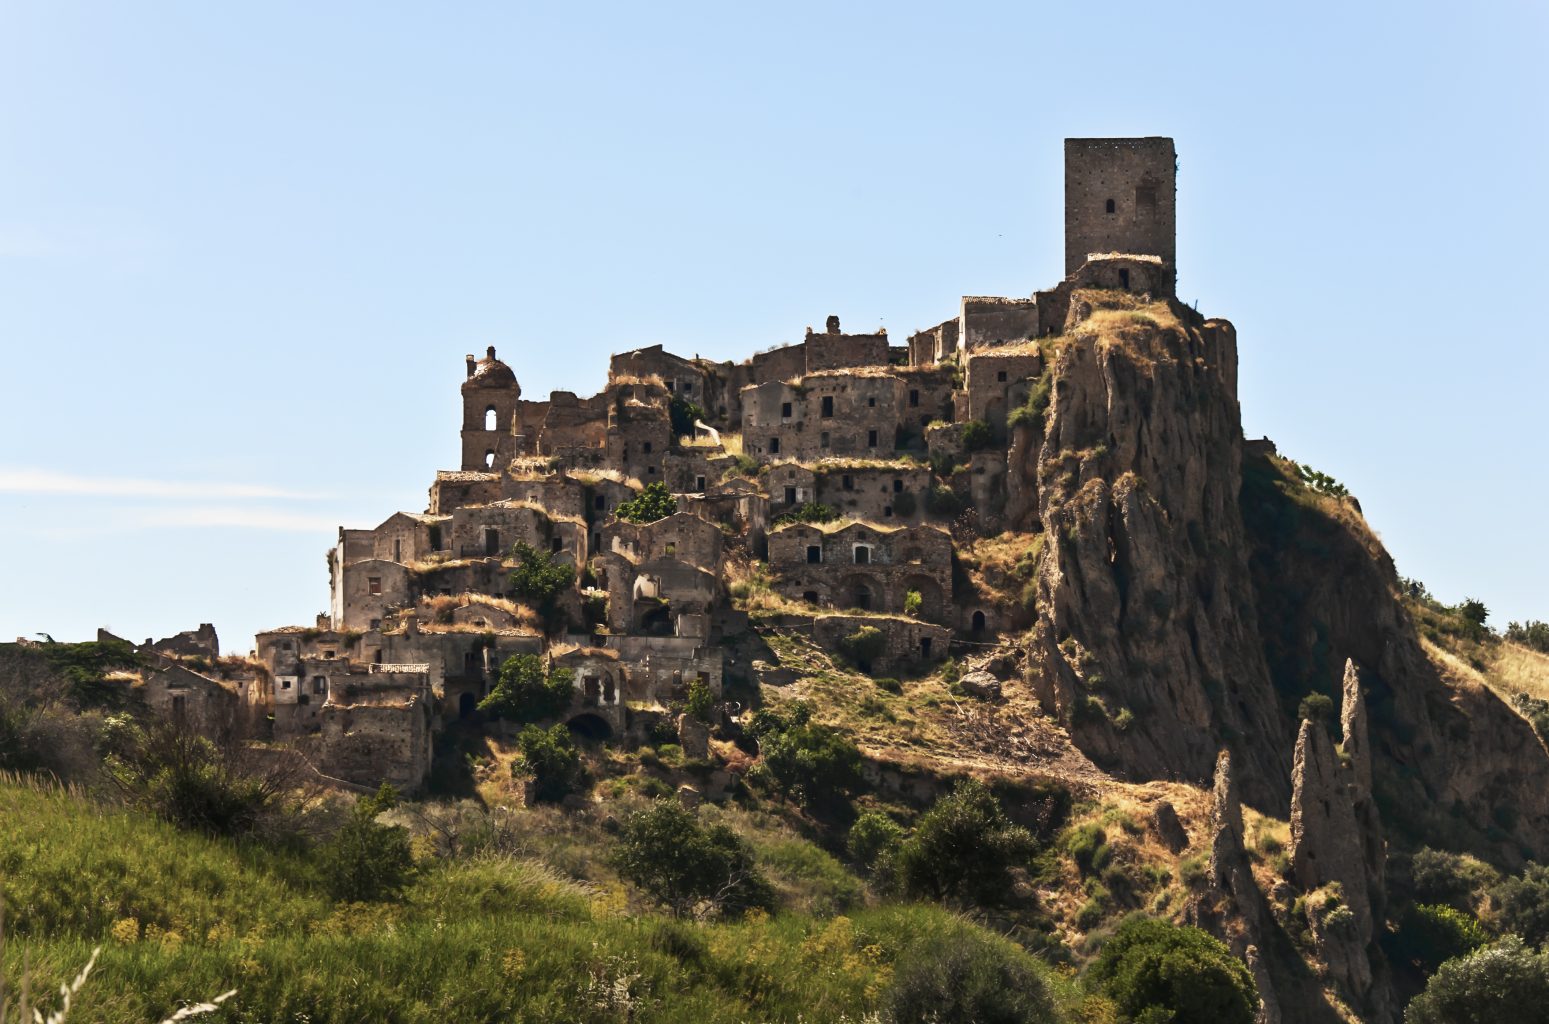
(833, 325)
(491, 352)
(471, 364)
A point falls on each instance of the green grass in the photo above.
(184, 917)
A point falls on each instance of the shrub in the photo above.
(653, 503)
(365, 861)
(815, 764)
(86, 664)
(974, 978)
(182, 777)
(1431, 934)
(964, 849)
(941, 500)
(888, 684)
(1441, 877)
(524, 693)
(538, 579)
(1154, 970)
(1473, 612)
(687, 867)
(873, 839)
(1503, 982)
(863, 646)
(977, 435)
(1523, 903)
(1529, 634)
(550, 757)
(1030, 413)
(1088, 847)
(913, 601)
(683, 413)
(1316, 707)
(701, 702)
(811, 512)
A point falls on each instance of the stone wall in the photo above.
(989, 321)
(388, 740)
(998, 380)
(910, 645)
(1119, 197)
(863, 566)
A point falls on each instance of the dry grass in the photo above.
(1512, 669)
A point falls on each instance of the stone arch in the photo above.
(590, 727)
(859, 591)
(932, 599)
(491, 418)
(467, 705)
(977, 623)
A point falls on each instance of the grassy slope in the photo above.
(183, 917)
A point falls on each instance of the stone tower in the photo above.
(1120, 196)
(490, 395)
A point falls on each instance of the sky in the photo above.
(244, 247)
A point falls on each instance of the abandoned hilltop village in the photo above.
(1050, 492)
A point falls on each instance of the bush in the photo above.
(550, 757)
(1431, 934)
(815, 764)
(1154, 970)
(524, 693)
(942, 500)
(701, 702)
(538, 579)
(1503, 982)
(683, 413)
(873, 839)
(1316, 707)
(977, 435)
(811, 512)
(1523, 904)
(365, 861)
(1441, 877)
(913, 602)
(974, 979)
(1530, 634)
(653, 503)
(904, 503)
(864, 646)
(1088, 847)
(1030, 413)
(687, 867)
(184, 778)
(964, 849)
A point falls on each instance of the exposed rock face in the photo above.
(1168, 827)
(693, 737)
(981, 684)
(1145, 558)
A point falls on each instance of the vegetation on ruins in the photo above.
(550, 758)
(977, 435)
(527, 691)
(810, 512)
(652, 503)
(538, 578)
(684, 414)
(700, 703)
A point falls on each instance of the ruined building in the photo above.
(841, 462)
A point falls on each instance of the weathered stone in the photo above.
(1168, 828)
(693, 737)
(689, 797)
(1357, 745)
(981, 685)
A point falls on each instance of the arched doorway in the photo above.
(467, 706)
(978, 622)
(590, 727)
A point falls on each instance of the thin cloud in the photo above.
(43, 481)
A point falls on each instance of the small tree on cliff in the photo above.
(525, 693)
(538, 579)
(651, 504)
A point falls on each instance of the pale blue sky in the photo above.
(244, 247)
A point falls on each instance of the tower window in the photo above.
(1000, 377)
(871, 439)
(1124, 278)
(814, 554)
(489, 459)
(489, 418)
(774, 446)
(785, 410)
(1110, 207)
(828, 405)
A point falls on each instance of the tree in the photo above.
(972, 978)
(1531, 633)
(864, 646)
(366, 860)
(538, 579)
(815, 764)
(873, 839)
(653, 503)
(701, 702)
(1156, 970)
(550, 757)
(683, 414)
(1473, 612)
(525, 693)
(687, 867)
(1523, 903)
(963, 849)
(1503, 982)
(1431, 934)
